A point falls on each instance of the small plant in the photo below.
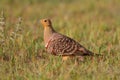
(2, 32)
(8, 41)
(17, 32)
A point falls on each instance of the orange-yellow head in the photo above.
(46, 22)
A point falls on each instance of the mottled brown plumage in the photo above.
(58, 44)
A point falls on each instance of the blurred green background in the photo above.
(93, 23)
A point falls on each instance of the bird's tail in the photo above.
(86, 52)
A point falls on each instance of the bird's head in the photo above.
(46, 22)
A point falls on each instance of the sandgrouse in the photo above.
(58, 44)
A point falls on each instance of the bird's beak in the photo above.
(41, 21)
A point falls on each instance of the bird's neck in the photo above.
(48, 32)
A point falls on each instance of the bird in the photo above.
(62, 45)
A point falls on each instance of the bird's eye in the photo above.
(45, 20)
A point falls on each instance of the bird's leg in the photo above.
(64, 58)
(79, 59)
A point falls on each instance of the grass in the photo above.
(95, 24)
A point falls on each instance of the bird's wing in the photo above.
(63, 45)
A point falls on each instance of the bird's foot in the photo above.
(64, 58)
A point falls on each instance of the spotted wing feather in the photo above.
(63, 45)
